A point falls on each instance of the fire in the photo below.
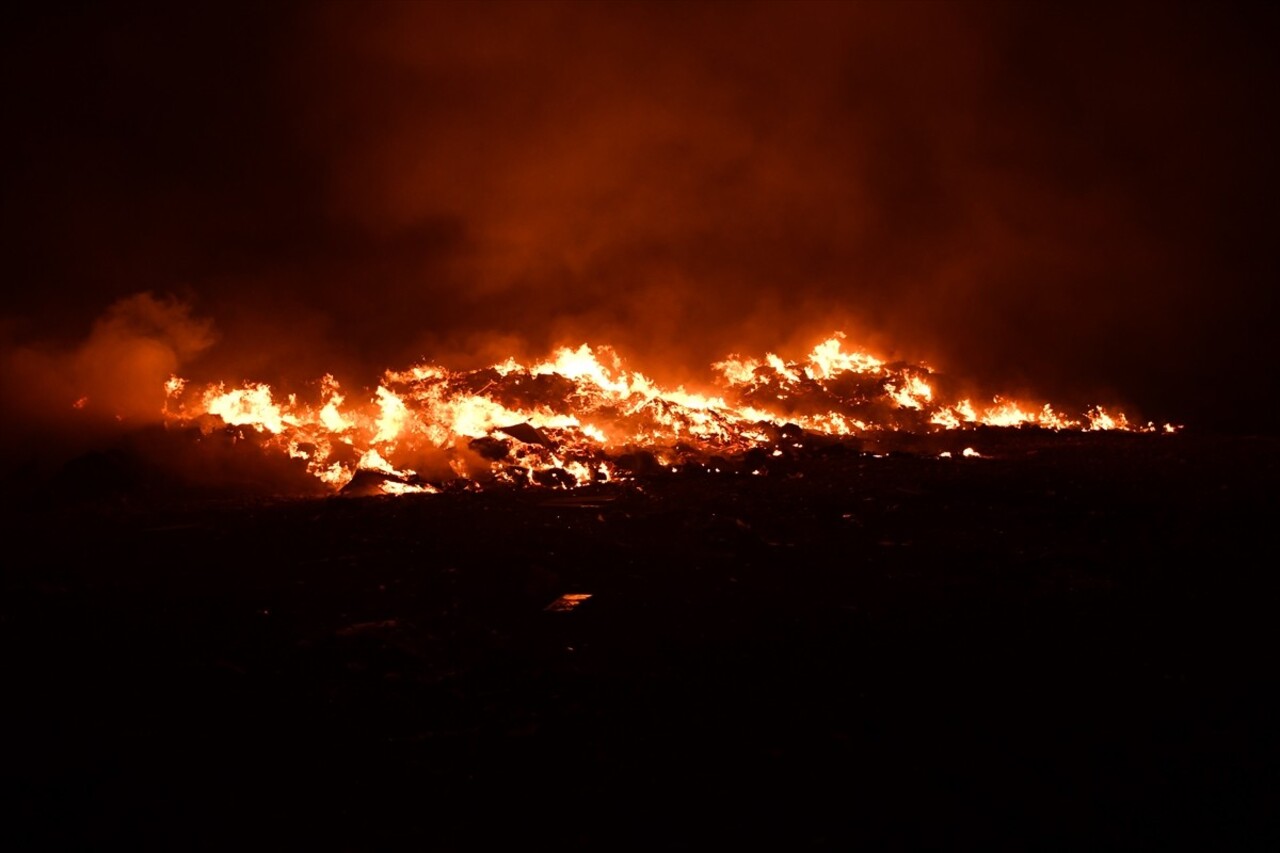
(568, 420)
(248, 406)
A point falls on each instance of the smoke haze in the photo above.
(1068, 200)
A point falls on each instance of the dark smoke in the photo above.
(1068, 200)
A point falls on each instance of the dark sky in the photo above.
(1074, 200)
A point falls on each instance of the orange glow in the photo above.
(566, 420)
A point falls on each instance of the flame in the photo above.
(569, 419)
(248, 406)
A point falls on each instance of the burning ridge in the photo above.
(580, 417)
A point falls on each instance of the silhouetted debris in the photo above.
(790, 432)
(554, 477)
(490, 448)
(640, 462)
(755, 459)
(367, 482)
(155, 463)
(526, 433)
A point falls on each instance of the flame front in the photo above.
(567, 420)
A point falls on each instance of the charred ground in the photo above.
(1062, 643)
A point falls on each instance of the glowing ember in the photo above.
(567, 420)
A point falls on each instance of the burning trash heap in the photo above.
(579, 417)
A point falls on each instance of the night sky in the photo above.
(1072, 201)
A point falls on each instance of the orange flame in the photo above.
(565, 420)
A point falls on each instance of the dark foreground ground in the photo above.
(1069, 644)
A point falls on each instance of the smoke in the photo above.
(133, 348)
(65, 401)
(1057, 199)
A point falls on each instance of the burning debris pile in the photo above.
(580, 417)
